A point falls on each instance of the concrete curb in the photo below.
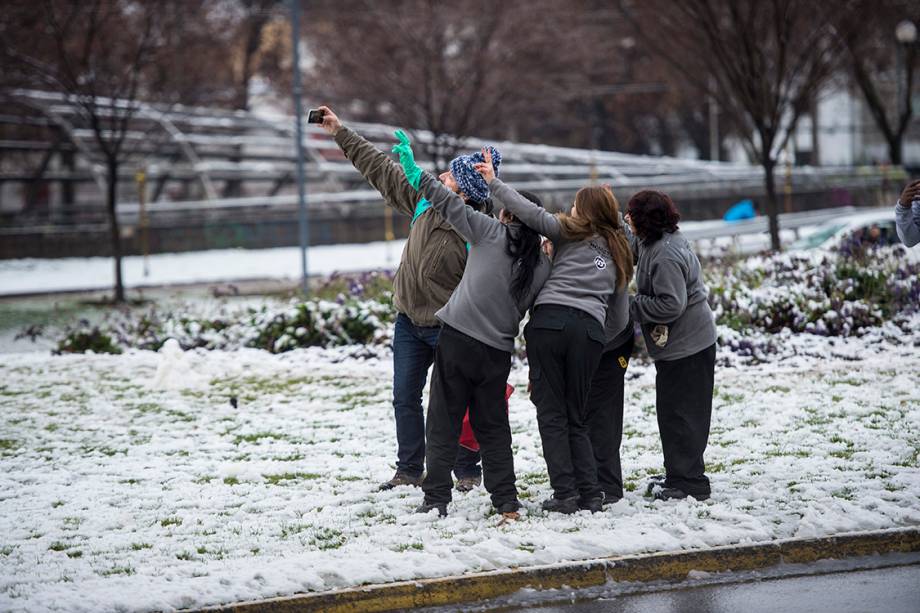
(638, 568)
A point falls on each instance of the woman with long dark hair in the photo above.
(505, 270)
(680, 334)
(565, 335)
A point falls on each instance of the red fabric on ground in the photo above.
(467, 438)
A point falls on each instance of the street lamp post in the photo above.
(906, 35)
(298, 145)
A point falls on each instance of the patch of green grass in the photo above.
(288, 530)
(7, 550)
(730, 398)
(407, 546)
(140, 546)
(180, 415)
(327, 538)
(203, 480)
(171, 521)
(782, 389)
(231, 481)
(75, 554)
(630, 486)
(294, 457)
(72, 523)
(8, 444)
(185, 556)
(57, 503)
(51, 428)
(57, 546)
(117, 570)
(534, 478)
(278, 479)
(130, 481)
(258, 436)
(846, 493)
(528, 547)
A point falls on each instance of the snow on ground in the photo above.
(118, 495)
(34, 275)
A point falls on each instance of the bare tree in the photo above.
(451, 70)
(869, 36)
(95, 53)
(764, 60)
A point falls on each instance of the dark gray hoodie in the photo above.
(482, 305)
(670, 303)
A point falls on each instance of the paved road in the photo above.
(884, 590)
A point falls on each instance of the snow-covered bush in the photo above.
(820, 292)
(757, 302)
(275, 328)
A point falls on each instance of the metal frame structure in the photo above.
(195, 157)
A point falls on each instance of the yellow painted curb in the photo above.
(639, 568)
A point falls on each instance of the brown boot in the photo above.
(401, 479)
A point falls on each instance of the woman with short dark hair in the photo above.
(680, 334)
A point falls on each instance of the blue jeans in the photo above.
(413, 353)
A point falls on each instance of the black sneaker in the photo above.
(561, 505)
(468, 484)
(426, 507)
(611, 498)
(401, 478)
(673, 493)
(594, 505)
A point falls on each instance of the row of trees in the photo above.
(637, 76)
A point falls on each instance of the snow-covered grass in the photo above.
(130, 482)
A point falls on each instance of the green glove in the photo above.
(407, 159)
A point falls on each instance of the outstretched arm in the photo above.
(468, 223)
(530, 214)
(375, 166)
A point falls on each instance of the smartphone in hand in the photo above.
(315, 116)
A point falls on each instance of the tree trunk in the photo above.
(896, 148)
(769, 166)
(115, 233)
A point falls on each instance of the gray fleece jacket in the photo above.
(583, 275)
(907, 217)
(619, 325)
(670, 303)
(482, 305)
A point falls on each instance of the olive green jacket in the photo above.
(435, 255)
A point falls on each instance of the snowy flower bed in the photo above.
(132, 482)
(757, 303)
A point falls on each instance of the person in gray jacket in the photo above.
(565, 335)
(680, 334)
(907, 214)
(504, 271)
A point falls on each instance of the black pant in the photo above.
(683, 392)
(605, 416)
(468, 373)
(564, 346)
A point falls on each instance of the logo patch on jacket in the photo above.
(600, 263)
